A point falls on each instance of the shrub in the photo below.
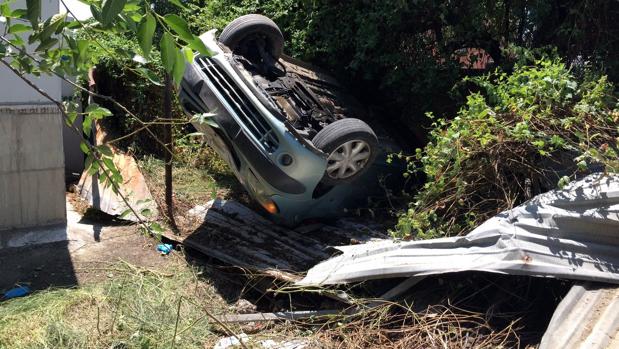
(524, 134)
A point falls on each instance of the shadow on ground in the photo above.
(38, 267)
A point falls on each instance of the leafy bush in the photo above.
(528, 132)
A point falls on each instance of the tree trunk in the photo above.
(167, 135)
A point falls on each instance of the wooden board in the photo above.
(236, 235)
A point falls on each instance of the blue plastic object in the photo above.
(18, 291)
(165, 248)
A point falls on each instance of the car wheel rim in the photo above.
(348, 159)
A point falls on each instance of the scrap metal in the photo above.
(570, 233)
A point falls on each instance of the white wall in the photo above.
(15, 91)
(32, 188)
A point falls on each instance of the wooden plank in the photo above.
(236, 235)
(277, 316)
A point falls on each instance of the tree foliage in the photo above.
(526, 133)
(404, 54)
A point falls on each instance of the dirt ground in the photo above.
(80, 260)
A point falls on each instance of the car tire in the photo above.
(351, 147)
(253, 24)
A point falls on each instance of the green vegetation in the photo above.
(134, 308)
(195, 182)
(523, 134)
(402, 54)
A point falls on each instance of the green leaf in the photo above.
(150, 75)
(96, 112)
(50, 26)
(129, 23)
(110, 9)
(19, 28)
(155, 227)
(17, 41)
(179, 67)
(87, 125)
(33, 11)
(96, 13)
(20, 13)
(197, 45)
(131, 7)
(2, 50)
(71, 116)
(46, 44)
(168, 53)
(109, 164)
(179, 26)
(73, 25)
(135, 17)
(146, 29)
(93, 169)
(178, 4)
(82, 49)
(125, 213)
(105, 150)
(84, 147)
(563, 181)
(188, 53)
(5, 10)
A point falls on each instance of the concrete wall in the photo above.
(32, 187)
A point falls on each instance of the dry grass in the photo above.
(135, 308)
(176, 306)
(397, 326)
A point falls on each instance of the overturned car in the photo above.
(288, 132)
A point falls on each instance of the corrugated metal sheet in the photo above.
(571, 233)
(588, 317)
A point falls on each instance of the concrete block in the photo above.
(40, 139)
(10, 208)
(8, 143)
(32, 186)
(33, 236)
(42, 197)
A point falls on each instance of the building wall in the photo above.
(32, 189)
(13, 90)
(32, 175)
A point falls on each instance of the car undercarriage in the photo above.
(290, 132)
